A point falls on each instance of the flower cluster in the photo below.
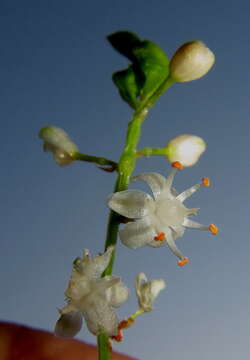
(92, 297)
(159, 220)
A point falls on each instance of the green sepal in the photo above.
(149, 69)
(129, 84)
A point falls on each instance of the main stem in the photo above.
(126, 166)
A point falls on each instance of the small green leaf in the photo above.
(129, 85)
(154, 63)
(149, 69)
(124, 42)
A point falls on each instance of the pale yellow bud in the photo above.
(57, 141)
(191, 61)
(186, 149)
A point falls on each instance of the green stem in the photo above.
(103, 346)
(125, 168)
(95, 159)
(151, 151)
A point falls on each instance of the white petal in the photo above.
(100, 317)
(92, 268)
(69, 324)
(137, 233)
(133, 204)
(117, 294)
(100, 262)
(156, 182)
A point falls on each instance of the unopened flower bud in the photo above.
(191, 61)
(186, 149)
(58, 142)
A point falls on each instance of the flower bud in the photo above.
(147, 291)
(58, 142)
(191, 61)
(185, 149)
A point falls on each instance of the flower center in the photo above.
(170, 212)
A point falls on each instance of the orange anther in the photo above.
(118, 337)
(183, 262)
(214, 230)
(205, 181)
(177, 165)
(160, 237)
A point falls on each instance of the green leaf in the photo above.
(149, 69)
(124, 42)
(129, 85)
(154, 64)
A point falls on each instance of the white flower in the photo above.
(93, 297)
(186, 149)
(191, 61)
(159, 220)
(147, 291)
(58, 142)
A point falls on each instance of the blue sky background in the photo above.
(55, 68)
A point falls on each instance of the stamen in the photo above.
(118, 337)
(177, 165)
(205, 181)
(124, 324)
(213, 228)
(137, 313)
(160, 237)
(183, 262)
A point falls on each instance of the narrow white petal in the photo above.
(133, 204)
(137, 233)
(194, 225)
(156, 182)
(69, 324)
(185, 194)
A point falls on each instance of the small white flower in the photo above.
(147, 291)
(186, 149)
(58, 142)
(159, 220)
(191, 61)
(93, 297)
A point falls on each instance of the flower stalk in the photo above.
(95, 159)
(125, 169)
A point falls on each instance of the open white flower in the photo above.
(91, 297)
(57, 141)
(147, 291)
(159, 220)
